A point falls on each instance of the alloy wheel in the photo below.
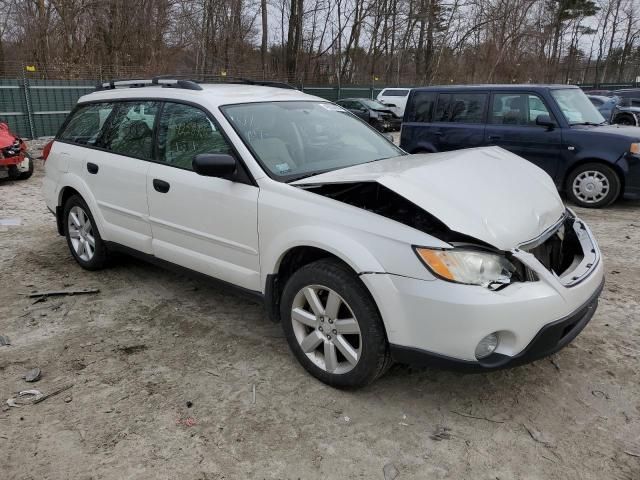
(81, 233)
(326, 329)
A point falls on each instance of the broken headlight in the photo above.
(471, 267)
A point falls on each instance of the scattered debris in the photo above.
(32, 375)
(390, 471)
(189, 404)
(347, 419)
(441, 433)
(132, 349)
(554, 363)
(12, 402)
(10, 222)
(467, 415)
(187, 422)
(213, 373)
(253, 398)
(67, 399)
(633, 454)
(599, 394)
(614, 272)
(4, 341)
(53, 394)
(57, 293)
(537, 436)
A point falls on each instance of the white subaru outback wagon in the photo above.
(364, 253)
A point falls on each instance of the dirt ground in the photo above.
(164, 367)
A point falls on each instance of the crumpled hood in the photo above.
(6, 137)
(487, 193)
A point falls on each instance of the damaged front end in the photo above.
(12, 154)
(560, 249)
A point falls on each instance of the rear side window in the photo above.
(395, 93)
(460, 107)
(130, 129)
(184, 132)
(421, 109)
(516, 109)
(85, 125)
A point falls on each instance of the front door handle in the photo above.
(161, 186)
(92, 168)
(438, 133)
(494, 137)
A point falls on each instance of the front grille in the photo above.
(561, 251)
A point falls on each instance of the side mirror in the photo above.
(545, 121)
(219, 165)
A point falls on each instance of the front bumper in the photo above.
(441, 323)
(551, 338)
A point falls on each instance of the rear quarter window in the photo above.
(85, 125)
(460, 107)
(421, 108)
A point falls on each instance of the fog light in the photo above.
(487, 346)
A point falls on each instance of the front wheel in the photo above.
(593, 185)
(332, 325)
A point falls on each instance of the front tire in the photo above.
(593, 185)
(83, 238)
(333, 326)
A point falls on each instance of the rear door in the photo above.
(512, 126)
(458, 120)
(206, 224)
(116, 172)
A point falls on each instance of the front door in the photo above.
(202, 223)
(512, 126)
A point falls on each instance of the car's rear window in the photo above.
(395, 93)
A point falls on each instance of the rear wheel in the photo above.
(333, 326)
(593, 185)
(83, 238)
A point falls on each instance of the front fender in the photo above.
(345, 247)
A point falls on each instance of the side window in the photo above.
(130, 129)
(461, 107)
(422, 105)
(184, 132)
(86, 124)
(516, 109)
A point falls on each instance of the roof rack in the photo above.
(262, 83)
(150, 82)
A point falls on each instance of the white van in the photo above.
(396, 98)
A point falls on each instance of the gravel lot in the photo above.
(151, 341)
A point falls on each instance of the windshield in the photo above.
(576, 107)
(298, 139)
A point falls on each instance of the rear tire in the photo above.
(593, 185)
(83, 238)
(333, 326)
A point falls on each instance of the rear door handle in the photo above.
(92, 168)
(161, 186)
(494, 137)
(438, 133)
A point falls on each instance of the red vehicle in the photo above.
(15, 162)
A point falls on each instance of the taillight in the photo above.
(46, 150)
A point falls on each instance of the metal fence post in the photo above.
(27, 100)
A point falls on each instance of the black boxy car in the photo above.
(554, 126)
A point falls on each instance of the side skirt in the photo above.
(253, 295)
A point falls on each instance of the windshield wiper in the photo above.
(591, 124)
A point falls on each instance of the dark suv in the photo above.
(554, 126)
